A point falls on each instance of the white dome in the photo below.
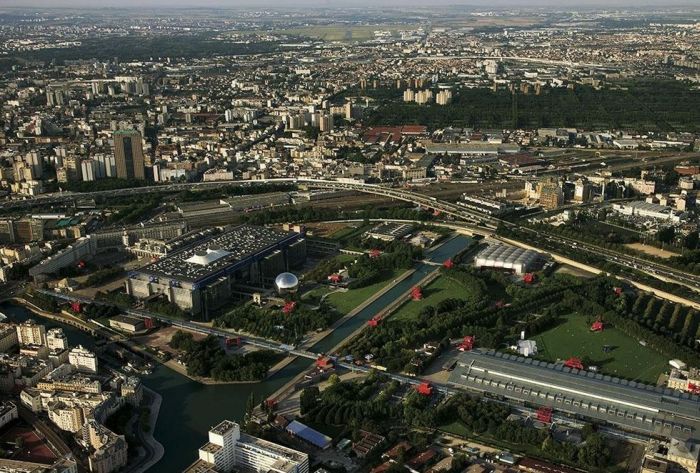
(286, 282)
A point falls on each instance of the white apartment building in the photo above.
(229, 449)
(68, 418)
(56, 340)
(31, 333)
(83, 359)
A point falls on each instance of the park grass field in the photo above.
(440, 289)
(456, 427)
(344, 302)
(348, 232)
(628, 359)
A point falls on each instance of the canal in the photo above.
(189, 409)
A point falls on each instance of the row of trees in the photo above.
(368, 404)
(103, 275)
(599, 261)
(592, 232)
(206, 359)
(274, 324)
(135, 212)
(644, 105)
(315, 214)
(200, 195)
(164, 307)
(393, 342)
(675, 320)
(147, 47)
(108, 184)
(630, 313)
(491, 419)
(368, 270)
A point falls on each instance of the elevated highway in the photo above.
(447, 208)
(457, 212)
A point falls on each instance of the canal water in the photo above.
(189, 409)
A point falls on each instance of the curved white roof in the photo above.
(207, 257)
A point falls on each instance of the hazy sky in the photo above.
(559, 4)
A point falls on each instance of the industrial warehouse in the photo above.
(201, 276)
(655, 411)
(506, 257)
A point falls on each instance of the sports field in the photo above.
(439, 290)
(627, 358)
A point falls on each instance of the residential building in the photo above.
(230, 450)
(66, 417)
(8, 413)
(109, 450)
(56, 339)
(31, 333)
(83, 359)
(550, 194)
(128, 154)
(8, 337)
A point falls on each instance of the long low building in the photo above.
(649, 210)
(652, 410)
(200, 277)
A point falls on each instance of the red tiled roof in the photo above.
(381, 468)
(423, 458)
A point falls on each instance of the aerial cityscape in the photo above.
(349, 236)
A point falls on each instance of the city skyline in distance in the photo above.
(232, 4)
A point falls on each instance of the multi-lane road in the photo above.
(455, 211)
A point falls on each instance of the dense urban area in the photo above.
(349, 240)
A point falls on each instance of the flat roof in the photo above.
(305, 432)
(392, 229)
(660, 410)
(280, 451)
(126, 319)
(650, 207)
(220, 251)
(223, 427)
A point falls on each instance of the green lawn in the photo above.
(349, 232)
(628, 359)
(316, 292)
(347, 301)
(440, 289)
(457, 428)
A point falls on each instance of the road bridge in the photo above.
(185, 324)
(254, 341)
